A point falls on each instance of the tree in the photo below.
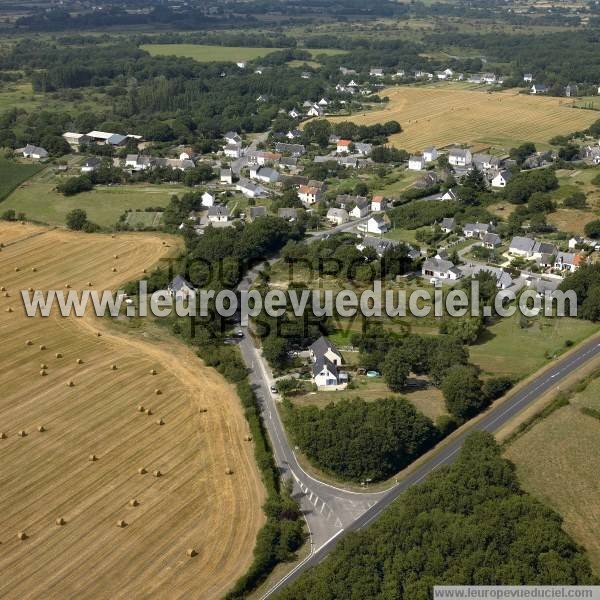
(522, 152)
(76, 219)
(590, 307)
(395, 370)
(462, 391)
(575, 200)
(466, 329)
(318, 132)
(275, 350)
(75, 185)
(592, 229)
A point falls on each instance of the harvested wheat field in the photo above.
(453, 114)
(109, 489)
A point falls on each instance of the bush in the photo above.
(495, 388)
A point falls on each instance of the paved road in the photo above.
(493, 420)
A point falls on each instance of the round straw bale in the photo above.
(33, 270)
(17, 269)
(58, 355)
(90, 284)
(22, 433)
(113, 367)
(3, 288)
(21, 535)
(141, 408)
(160, 421)
(157, 392)
(98, 334)
(191, 552)
(6, 295)
(92, 458)
(114, 269)
(43, 366)
(133, 502)
(79, 361)
(70, 383)
(142, 471)
(42, 346)
(248, 438)
(60, 521)
(152, 371)
(2, 435)
(68, 285)
(30, 289)
(43, 373)
(144, 271)
(41, 428)
(29, 343)
(9, 309)
(157, 473)
(228, 471)
(148, 411)
(121, 523)
(116, 256)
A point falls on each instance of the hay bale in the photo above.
(17, 269)
(142, 471)
(43, 373)
(6, 295)
(141, 408)
(248, 438)
(157, 392)
(42, 346)
(113, 367)
(160, 421)
(148, 411)
(29, 343)
(60, 521)
(9, 309)
(70, 383)
(98, 334)
(2, 435)
(43, 366)
(121, 523)
(114, 269)
(133, 502)
(79, 361)
(228, 471)
(30, 289)
(22, 433)
(33, 270)
(152, 371)
(116, 255)
(203, 409)
(144, 271)
(21, 535)
(58, 355)
(41, 428)
(191, 552)
(2, 289)
(157, 473)
(90, 284)
(92, 458)
(68, 285)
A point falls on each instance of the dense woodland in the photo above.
(466, 524)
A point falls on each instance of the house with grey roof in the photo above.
(503, 279)
(337, 216)
(448, 224)
(226, 176)
(460, 157)
(491, 240)
(361, 208)
(31, 151)
(254, 212)
(180, 287)
(501, 179)
(440, 268)
(291, 149)
(218, 213)
(326, 362)
(477, 230)
(289, 214)
(91, 164)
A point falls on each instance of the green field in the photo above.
(203, 53)
(12, 174)
(506, 349)
(144, 218)
(39, 200)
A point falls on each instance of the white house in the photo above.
(538, 88)
(264, 174)
(378, 224)
(295, 113)
(450, 194)
(91, 164)
(233, 150)
(448, 224)
(568, 261)
(416, 163)
(430, 154)
(315, 111)
(477, 230)
(361, 209)
(460, 157)
(208, 200)
(309, 194)
(327, 360)
(75, 140)
(376, 72)
(226, 176)
(528, 78)
(343, 146)
(501, 179)
(249, 188)
(440, 268)
(180, 287)
(218, 214)
(337, 216)
(30, 151)
(378, 204)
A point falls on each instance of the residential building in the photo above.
(501, 179)
(440, 268)
(208, 199)
(232, 137)
(491, 241)
(343, 146)
(250, 189)
(289, 214)
(226, 176)
(361, 208)
(218, 214)
(416, 163)
(103, 138)
(378, 204)
(180, 287)
(233, 150)
(309, 194)
(264, 174)
(76, 140)
(377, 224)
(337, 216)
(528, 78)
(430, 154)
(91, 164)
(363, 149)
(460, 157)
(538, 88)
(568, 261)
(255, 212)
(376, 72)
(448, 224)
(477, 230)
(30, 151)
(291, 149)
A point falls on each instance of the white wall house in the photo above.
(460, 157)
(430, 154)
(208, 200)
(416, 163)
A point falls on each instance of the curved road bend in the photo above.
(493, 420)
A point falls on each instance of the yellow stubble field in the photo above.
(49, 475)
(446, 114)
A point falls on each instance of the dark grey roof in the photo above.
(522, 244)
(322, 361)
(179, 282)
(257, 211)
(321, 346)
